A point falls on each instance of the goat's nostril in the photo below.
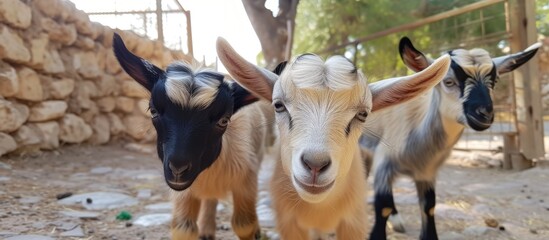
(176, 170)
(483, 111)
(305, 163)
(316, 165)
(325, 166)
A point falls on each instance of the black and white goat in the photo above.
(211, 138)
(416, 137)
(319, 181)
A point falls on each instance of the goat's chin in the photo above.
(178, 186)
(312, 194)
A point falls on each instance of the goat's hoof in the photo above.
(397, 223)
(257, 235)
(207, 237)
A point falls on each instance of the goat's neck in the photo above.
(439, 106)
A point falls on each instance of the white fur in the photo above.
(180, 84)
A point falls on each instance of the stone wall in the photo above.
(60, 81)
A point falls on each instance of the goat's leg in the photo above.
(396, 221)
(185, 214)
(206, 219)
(427, 201)
(353, 228)
(384, 203)
(289, 230)
(244, 221)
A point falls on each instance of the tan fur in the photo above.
(323, 98)
(320, 107)
(235, 171)
(475, 62)
(344, 211)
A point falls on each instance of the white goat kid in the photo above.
(211, 138)
(415, 138)
(319, 182)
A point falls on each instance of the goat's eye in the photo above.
(279, 107)
(154, 113)
(223, 122)
(449, 82)
(361, 116)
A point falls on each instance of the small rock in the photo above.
(63, 195)
(66, 226)
(12, 47)
(482, 209)
(9, 82)
(139, 147)
(50, 134)
(4, 179)
(7, 234)
(490, 222)
(139, 127)
(165, 206)
(153, 219)
(15, 13)
(73, 129)
(76, 232)
(12, 115)
(452, 236)
(30, 86)
(129, 224)
(100, 200)
(476, 230)
(533, 231)
(81, 214)
(59, 89)
(101, 170)
(7, 143)
(38, 225)
(144, 194)
(47, 110)
(30, 200)
(29, 237)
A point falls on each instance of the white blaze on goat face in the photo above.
(188, 90)
(319, 102)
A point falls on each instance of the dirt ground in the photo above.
(515, 203)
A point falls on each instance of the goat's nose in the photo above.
(178, 170)
(316, 162)
(485, 111)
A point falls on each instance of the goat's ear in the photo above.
(394, 91)
(510, 62)
(241, 97)
(412, 57)
(257, 80)
(143, 72)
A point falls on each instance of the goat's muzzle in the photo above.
(481, 118)
(178, 177)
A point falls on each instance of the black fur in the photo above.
(188, 139)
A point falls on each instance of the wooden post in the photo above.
(189, 33)
(526, 84)
(510, 147)
(160, 28)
